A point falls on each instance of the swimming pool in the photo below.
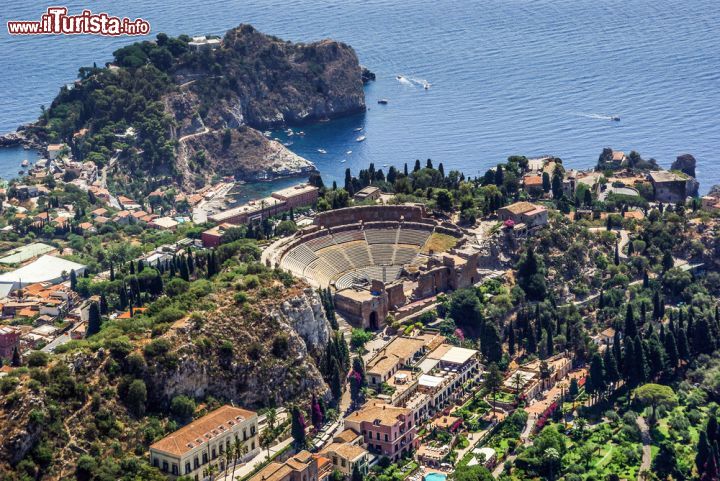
(435, 477)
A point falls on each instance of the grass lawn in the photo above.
(439, 243)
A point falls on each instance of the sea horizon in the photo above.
(511, 78)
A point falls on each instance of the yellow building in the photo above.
(345, 456)
(193, 448)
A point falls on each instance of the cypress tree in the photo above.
(617, 350)
(531, 341)
(617, 254)
(298, 427)
(683, 345)
(630, 327)
(611, 370)
(112, 272)
(550, 345)
(671, 349)
(704, 452)
(16, 358)
(93, 325)
(640, 367)
(103, 304)
(417, 165)
(597, 375)
(73, 280)
(511, 339)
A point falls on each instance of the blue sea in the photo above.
(506, 77)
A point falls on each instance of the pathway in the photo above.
(247, 468)
(646, 440)
(624, 238)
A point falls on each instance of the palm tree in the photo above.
(518, 380)
(266, 442)
(271, 417)
(228, 458)
(237, 452)
(212, 469)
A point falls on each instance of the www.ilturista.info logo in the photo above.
(56, 21)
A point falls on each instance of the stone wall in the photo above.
(370, 213)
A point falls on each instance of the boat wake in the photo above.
(597, 116)
(414, 82)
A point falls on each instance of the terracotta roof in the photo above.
(634, 214)
(347, 436)
(618, 155)
(397, 351)
(351, 452)
(280, 472)
(520, 207)
(202, 430)
(533, 180)
(385, 414)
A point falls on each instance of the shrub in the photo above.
(280, 346)
(359, 337)
(157, 347)
(252, 281)
(37, 359)
(169, 314)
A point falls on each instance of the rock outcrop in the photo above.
(265, 83)
(273, 357)
(685, 163)
(247, 155)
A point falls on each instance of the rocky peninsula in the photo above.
(186, 109)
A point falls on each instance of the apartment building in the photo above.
(345, 456)
(386, 430)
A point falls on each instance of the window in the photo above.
(175, 470)
(244, 434)
(214, 454)
(196, 463)
(386, 437)
(156, 463)
(252, 445)
(165, 466)
(377, 436)
(342, 462)
(187, 468)
(205, 459)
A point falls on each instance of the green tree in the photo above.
(546, 182)
(136, 397)
(493, 383)
(182, 407)
(298, 427)
(93, 325)
(655, 396)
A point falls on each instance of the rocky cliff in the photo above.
(266, 82)
(279, 345)
(263, 82)
(685, 163)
